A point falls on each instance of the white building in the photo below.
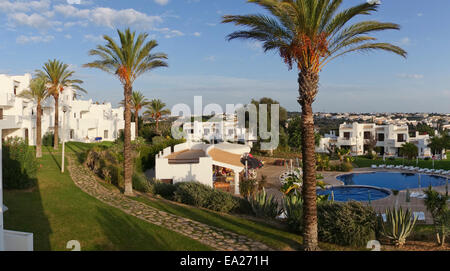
(192, 161)
(388, 138)
(84, 121)
(226, 130)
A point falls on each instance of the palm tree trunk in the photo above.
(136, 121)
(308, 88)
(56, 132)
(128, 160)
(39, 132)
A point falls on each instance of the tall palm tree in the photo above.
(309, 34)
(138, 101)
(156, 111)
(127, 60)
(58, 77)
(37, 93)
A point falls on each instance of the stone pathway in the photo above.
(213, 237)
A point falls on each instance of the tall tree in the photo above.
(37, 93)
(128, 59)
(138, 101)
(156, 111)
(309, 34)
(59, 78)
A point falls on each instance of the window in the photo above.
(72, 132)
(401, 138)
(367, 135)
(381, 137)
(347, 135)
(230, 132)
(74, 115)
(1, 113)
(106, 134)
(206, 131)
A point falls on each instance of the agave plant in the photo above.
(265, 205)
(398, 226)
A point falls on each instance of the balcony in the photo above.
(7, 99)
(343, 141)
(87, 123)
(11, 122)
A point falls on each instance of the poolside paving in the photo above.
(213, 237)
(330, 178)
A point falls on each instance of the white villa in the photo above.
(389, 138)
(225, 130)
(217, 166)
(85, 121)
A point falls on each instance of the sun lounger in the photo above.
(398, 167)
(384, 217)
(382, 166)
(422, 170)
(374, 166)
(390, 167)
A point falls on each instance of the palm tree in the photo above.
(127, 60)
(58, 77)
(156, 111)
(309, 34)
(138, 101)
(37, 93)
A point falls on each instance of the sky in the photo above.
(203, 63)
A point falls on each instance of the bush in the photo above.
(221, 202)
(347, 224)
(165, 190)
(48, 139)
(141, 184)
(19, 165)
(200, 195)
(192, 193)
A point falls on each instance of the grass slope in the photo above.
(57, 211)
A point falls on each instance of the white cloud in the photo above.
(197, 34)
(410, 76)
(162, 2)
(109, 17)
(34, 20)
(22, 6)
(403, 42)
(93, 38)
(34, 39)
(210, 58)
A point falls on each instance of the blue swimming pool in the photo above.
(393, 181)
(348, 193)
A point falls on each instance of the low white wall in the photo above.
(201, 172)
(18, 241)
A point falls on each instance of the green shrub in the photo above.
(165, 190)
(248, 187)
(398, 226)
(48, 139)
(221, 202)
(242, 206)
(346, 224)
(192, 193)
(264, 205)
(19, 164)
(141, 184)
(293, 208)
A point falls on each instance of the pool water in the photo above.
(393, 181)
(343, 193)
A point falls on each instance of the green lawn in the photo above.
(364, 162)
(57, 211)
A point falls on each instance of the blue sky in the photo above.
(203, 63)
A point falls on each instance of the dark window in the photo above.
(72, 134)
(401, 138)
(106, 134)
(347, 135)
(367, 135)
(381, 137)
(1, 113)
